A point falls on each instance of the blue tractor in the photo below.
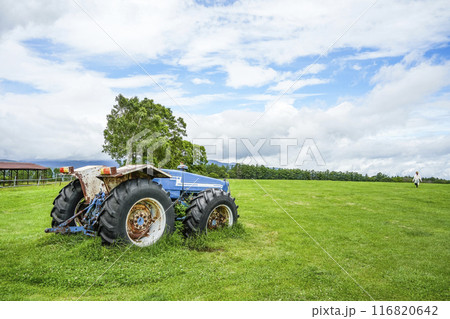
(136, 203)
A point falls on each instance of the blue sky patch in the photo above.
(8, 86)
(46, 49)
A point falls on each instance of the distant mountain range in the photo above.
(220, 163)
(68, 162)
(78, 163)
(74, 163)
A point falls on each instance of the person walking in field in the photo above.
(417, 179)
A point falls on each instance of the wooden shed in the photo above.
(12, 173)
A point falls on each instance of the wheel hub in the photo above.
(145, 222)
(139, 220)
(219, 217)
(80, 206)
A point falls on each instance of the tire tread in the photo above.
(198, 206)
(111, 208)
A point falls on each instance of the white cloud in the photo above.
(312, 69)
(292, 86)
(179, 100)
(241, 74)
(201, 81)
(14, 14)
(139, 81)
(261, 31)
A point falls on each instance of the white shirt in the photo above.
(416, 179)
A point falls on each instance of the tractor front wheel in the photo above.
(211, 209)
(137, 211)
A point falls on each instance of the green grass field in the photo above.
(392, 239)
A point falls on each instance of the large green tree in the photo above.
(141, 131)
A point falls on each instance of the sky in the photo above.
(340, 85)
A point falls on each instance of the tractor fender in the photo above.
(90, 184)
(93, 179)
(125, 173)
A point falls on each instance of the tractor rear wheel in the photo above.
(211, 209)
(69, 200)
(137, 211)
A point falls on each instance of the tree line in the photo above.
(243, 171)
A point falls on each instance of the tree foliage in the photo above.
(141, 131)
